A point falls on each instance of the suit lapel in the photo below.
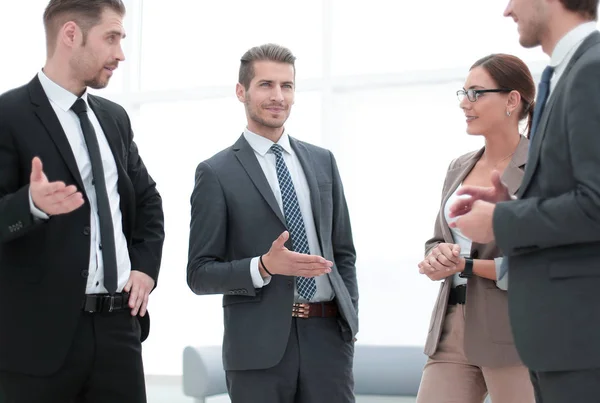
(245, 154)
(513, 175)
(50, 121)
(115, 142)
(309, 172)
(454, 178)
(536, 144)
(538, 137)
(110, 129)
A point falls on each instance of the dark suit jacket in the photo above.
(552, 233)
(43, 264)
(488, 338)
(235, 217)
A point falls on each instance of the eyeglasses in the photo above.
(473, 94)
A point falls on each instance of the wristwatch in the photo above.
(468, 270)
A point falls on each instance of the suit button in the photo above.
(86, 231)
(85, 273)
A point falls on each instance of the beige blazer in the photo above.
(488, 337)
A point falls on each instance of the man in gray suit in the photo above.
(270, 230)
(551, 233)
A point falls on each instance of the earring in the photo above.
(507, 113)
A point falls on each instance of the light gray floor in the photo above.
(163, 389)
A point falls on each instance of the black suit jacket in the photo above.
(43, 264)
(552, 233)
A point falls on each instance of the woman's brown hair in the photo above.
(511, 72)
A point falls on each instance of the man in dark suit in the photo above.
(81, 235)
(270, 230)
(551, 232)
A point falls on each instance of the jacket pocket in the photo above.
(575, 267)
(240, 299)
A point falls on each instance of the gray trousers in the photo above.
(316, 368)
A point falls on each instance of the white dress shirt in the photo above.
(466, 244)
(266, 159)
(459, 238)
(61, 101)
(566, 48)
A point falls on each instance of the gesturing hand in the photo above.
(52, 198)
(280, 260)
(496, 193)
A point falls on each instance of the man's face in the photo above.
(531, 17)
(270, 95)
(94, 61)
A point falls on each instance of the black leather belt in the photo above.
(458, 295)
(105, 302)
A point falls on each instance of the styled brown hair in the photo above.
(586, 8)
(510, 72)
(270, 52)
(85, 13)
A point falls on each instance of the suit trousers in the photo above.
(449, 377)
(103, 364)
(581, 386)
(316, 368)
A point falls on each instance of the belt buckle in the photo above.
(300, 310)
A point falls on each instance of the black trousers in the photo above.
(567, 386)
(104, 364)
(316, 368)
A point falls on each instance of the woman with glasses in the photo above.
(470, 346)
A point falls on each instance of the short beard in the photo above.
(255, 117)
(96, 84)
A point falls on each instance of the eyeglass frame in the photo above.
(465, 93)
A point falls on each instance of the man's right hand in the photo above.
(498, 192)
(52, 198)
(281, 260)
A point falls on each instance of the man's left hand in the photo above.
(139, 287)
(477, 224)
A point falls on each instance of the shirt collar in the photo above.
(57, 94)
(262, 145)
(570, 42)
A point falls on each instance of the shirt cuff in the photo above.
(501, 283)
(257, 279)
(36, 212)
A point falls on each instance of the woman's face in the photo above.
(489, 109)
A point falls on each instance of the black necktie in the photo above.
(107, 234)
(540, 103)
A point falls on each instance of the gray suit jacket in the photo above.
(488, 340)
(235, 217)
(552, 233)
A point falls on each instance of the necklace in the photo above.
(503, 159)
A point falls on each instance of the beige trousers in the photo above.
(448, 377)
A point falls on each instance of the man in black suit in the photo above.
(551, 233)
(81, 235)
